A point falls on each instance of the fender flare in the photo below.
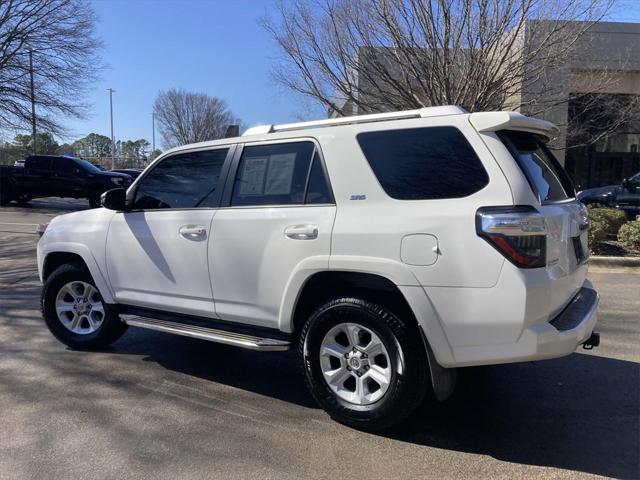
(83, 252)
(396, 272)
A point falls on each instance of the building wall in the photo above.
(606, 59)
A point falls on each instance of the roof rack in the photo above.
(374, 117)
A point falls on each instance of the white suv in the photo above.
(389, 249)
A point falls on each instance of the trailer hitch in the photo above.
(592, 341)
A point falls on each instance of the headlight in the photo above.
(41, 227)
(116, 181)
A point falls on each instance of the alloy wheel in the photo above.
(79, 307)
(355, 363)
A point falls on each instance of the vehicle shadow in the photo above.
(46, 205)
(274, 374)
(578, 413)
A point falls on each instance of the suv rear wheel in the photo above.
(74, 311)
(365, 366)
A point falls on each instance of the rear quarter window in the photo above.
(423, 163)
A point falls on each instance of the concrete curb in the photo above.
(600, 261)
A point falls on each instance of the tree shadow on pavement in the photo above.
(578, 413)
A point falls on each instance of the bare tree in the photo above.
(359, 56)
(60, 34)
(185, 117)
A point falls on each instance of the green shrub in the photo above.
(598, 232)
(629, 234)
(608, 219)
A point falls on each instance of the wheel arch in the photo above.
(59, 254)
(401, 300)
(395, 276)
(325, 284)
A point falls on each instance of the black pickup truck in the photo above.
(625, 196)
(57, 176)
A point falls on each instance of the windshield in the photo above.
(89, 167)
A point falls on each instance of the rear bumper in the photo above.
(556, 338)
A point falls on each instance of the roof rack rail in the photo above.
(374, 117)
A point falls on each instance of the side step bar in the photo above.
(206, 333)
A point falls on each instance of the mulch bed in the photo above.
(612, 248)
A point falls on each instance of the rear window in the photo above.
(423, 163)
(545, 174)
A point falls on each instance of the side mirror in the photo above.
(626, 183)
(115, 199)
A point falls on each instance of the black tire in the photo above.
(94, 199)
(109, 330)
(24, 199)
(5, 193)
(406, 390)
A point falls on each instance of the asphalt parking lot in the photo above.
(160, 406)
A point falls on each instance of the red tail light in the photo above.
(518, 233)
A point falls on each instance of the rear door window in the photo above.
(278, 174)
(546, 176)
(424, 163)
(318, 191)
(39, 163)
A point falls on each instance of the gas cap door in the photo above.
(419, 249)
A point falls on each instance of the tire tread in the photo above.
(109, 332)
(411, 391)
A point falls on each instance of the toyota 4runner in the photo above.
(388, 249)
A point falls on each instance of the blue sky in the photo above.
(210, 46)
(216, 47)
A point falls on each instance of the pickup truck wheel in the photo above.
(74, 312)
(23, 199)
(94, 199)
(5, 194)
(364, 365)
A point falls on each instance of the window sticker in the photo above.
(252, 180)
(280, 174)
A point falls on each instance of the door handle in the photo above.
(302, 232)
(192, 231)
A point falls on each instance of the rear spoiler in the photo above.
(494, 121)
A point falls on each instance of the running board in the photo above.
(205, 333)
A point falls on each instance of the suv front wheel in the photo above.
(94, 199)
(74, 311)
(363, 364)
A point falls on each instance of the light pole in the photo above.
(33, 102)
(113, 142)
(153, 132)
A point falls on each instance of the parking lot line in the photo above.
(9, 223)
